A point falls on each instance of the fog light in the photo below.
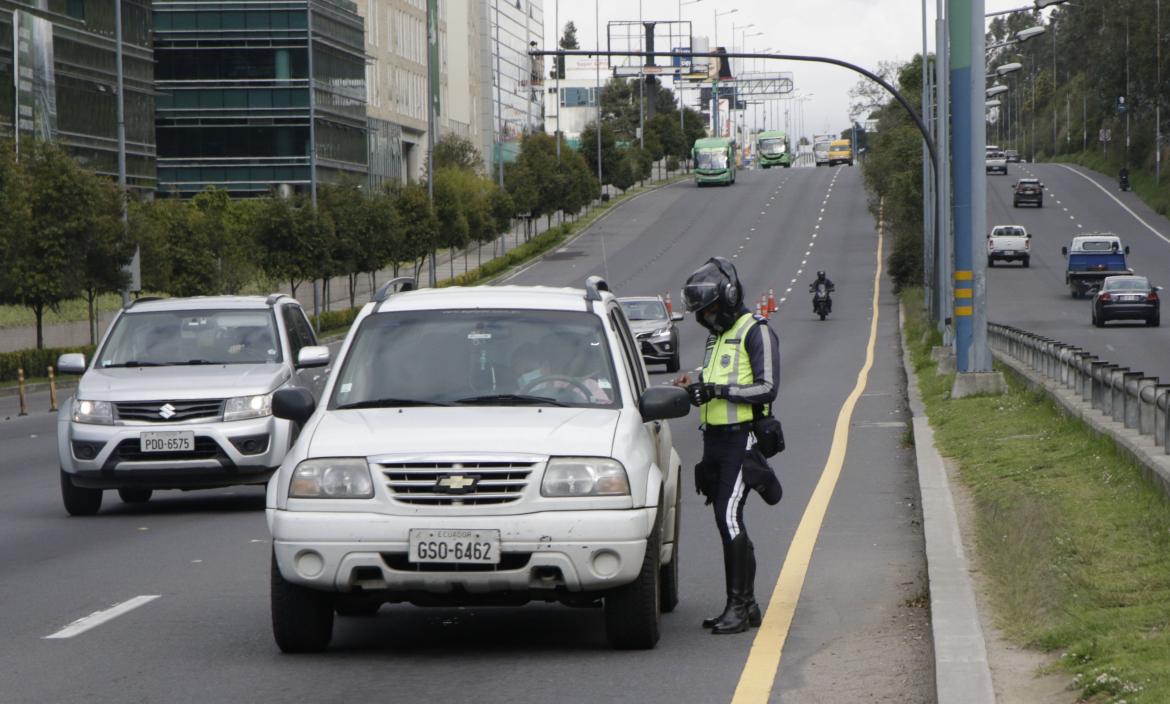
(606, 563)
(309, 564)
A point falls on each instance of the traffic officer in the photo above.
(738, 383)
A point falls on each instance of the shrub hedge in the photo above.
(35, 363)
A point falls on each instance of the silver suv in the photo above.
(179, 396)
(478, 446)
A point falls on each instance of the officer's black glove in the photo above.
(702, 393)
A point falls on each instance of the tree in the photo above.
(619, 108)
(610, 154)
(356, 243)
(290, 240)
(452, 199)
(453, 151)
(107, 250)
(419, 226)
(53, 206)
(568, 41)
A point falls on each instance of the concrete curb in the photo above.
(1152, 458)
(962, 673)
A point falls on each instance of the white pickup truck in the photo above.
(1009, 243)
(996, 162)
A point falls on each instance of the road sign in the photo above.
(648, 70)
(1105, 136)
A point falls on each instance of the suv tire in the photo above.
(302, 619)
(134, 495)
(674, 364)
(79, 501)
(1027, 262)
(631, 611)
(668, 579)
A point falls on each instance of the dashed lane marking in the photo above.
(1116, 200)
(97, 618)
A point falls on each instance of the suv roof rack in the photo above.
(274, 297)
(144, 299)
(400, 285)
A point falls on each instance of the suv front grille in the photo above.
(168, 411)
(418, 482)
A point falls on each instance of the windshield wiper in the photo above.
(133, 363)
(490, 399)
(390, 403)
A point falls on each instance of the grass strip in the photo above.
(1075, 542)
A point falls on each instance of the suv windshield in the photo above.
(711, 159)
(161, 338)
(478, 357)
(644, 310)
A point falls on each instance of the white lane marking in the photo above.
(822, 210)
(793, 281)
(1079, 225)
(783, 299)
(753, 229)
(1110, 348)
(1116, 200)
(97, 618)
(1071, 217)
(803, 262)
(747, 238)
(800, 271)
(257, 540)
(1065, 210)
(196, 562)
(820, 218)
(788, 290)
(807, 252)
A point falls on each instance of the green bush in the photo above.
(35, 363)
(332, 321)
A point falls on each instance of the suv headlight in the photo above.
(584, 476)
(97, 412)
(332, 478)
(660, 334)
(243, 407)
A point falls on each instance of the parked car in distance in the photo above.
(1127, 298)
(655, 329)
(491, 445)
(1011, 156)
(996, 162)
(1009, 243)
(1028, 190)
(179, 396)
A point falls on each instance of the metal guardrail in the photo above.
(1140, 402)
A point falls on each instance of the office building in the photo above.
(64, 52)
(255, 97)
(577, 106)
(512, 82)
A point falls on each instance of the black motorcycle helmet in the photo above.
(714, 285)
(820, 275)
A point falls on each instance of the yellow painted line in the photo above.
(964, 276)
(964, 310)
(759, 673)
(964, 293)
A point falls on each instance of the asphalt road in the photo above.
(1078, 201)
(856, 633)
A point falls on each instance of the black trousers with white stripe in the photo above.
(726, 450)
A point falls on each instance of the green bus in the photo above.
(772, 149)
(714, 160)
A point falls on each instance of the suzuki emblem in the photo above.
(167, 411)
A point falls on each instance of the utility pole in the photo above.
(432, 92)
(928, 233)
(500, 121)
(597, 99)
(559, 66)
(132, 270)
(1158, 93)
(313, 148)
(942, 190)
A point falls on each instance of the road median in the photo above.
(1070, 534)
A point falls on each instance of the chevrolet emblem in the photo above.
(456, 483)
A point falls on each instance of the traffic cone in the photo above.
(771, 300)
(669, 307)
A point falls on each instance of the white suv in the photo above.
(489, 445)
(179, 396)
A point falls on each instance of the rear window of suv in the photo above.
(478, 357)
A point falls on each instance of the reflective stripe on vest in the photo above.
(728, 364)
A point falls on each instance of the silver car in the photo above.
(179, 396)
(655, 328)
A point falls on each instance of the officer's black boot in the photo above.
(728, 579)
(735, 618)
(755, 618)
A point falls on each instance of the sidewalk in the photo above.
(448, 263)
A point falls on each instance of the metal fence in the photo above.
(1141, 402)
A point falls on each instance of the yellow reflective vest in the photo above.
(728, 364)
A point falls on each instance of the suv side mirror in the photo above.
(677, 316)
(312, 356)
(295, 404)
(71, 363)
(663, 402)
(1127, 249)
(1064, 251)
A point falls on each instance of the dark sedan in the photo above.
(1127, 298)
(654, 327)
(1013, 157)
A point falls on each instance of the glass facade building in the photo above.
(64, 53)
(245, 105)
(513, 91)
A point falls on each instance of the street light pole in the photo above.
(597, 98)
(558, 67)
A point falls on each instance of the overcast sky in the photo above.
(863, 32)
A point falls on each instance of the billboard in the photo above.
(36, 87)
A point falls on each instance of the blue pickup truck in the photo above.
(1091, 258)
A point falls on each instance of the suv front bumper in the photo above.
(225, 454)
(577, 551)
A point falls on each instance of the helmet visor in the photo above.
(697, 295)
